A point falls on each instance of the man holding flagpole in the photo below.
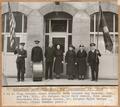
(20, 61)
(93, 60)
(20, 51)
(93, 55)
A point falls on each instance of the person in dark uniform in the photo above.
(81, 61)
(37, 53)
(37, 60)
(49, 55)
(70, 60)
(20, 61)
(93, 60)
(58, 63)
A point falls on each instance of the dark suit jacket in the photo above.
(23, 54)
(93, 58)
(49, 54)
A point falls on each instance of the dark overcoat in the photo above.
(70, 59)
(37, 54)
(81, 61)
(58, 65)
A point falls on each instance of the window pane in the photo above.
(92, 23)
(70, 26)
(116, 23)
(116, 44)
(109, 20)
(113, 40)
(18, 19)
(2, 43)
(9, 49)
(101, 44)
(7, 22)
(58, 25)
(47, 26)
(91, 38)
(69, 40)
(25, 23)
(3, 22)
(46, 41)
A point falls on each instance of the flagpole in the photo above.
(99, 18)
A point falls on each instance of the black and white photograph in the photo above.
(59, 43)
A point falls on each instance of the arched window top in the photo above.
(15, 12)
(58, 15)
(105, 12)
(111, 19)
(20, 19)
(112, 24)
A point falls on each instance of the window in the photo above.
(69, 40)
(112, 23)
(58, 25)
(55, 25)
(20, 30)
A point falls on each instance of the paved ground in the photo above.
(28, 81)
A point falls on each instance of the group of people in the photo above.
(76, 63)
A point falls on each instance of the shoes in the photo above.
(57, 76)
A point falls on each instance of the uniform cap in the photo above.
(81, 45)
(22, 43)
(92, 44)
(37, 41)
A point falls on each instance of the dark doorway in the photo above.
(60, 41)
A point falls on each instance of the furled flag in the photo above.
(102, 23)
(12, 25)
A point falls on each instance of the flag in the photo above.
(102, 23)
(12, 25)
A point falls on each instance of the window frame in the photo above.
(22, 35)
(94, 32)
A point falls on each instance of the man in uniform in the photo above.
(93, 60)
(37, 53)
(37, 60)
(20, 62)
(49, 55)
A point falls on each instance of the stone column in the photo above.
(81, 29)
(35, 32)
